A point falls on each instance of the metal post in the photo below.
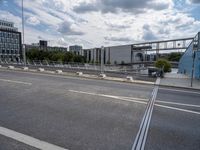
(102, 50)
(23, 44)
(192, 76)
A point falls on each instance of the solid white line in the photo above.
(136, 100)
(29, 140)
(182, 91)
(179, 109)
(157, 81)
(14, 81)
(180, 104)
(139, 100)
(140, 140)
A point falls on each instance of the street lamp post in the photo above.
(23, 44)
(102, 51)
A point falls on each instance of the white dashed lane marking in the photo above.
(15, 81)
(31, 141)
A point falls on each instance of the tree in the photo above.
(36, 54)
(163, 63)
(175, 56)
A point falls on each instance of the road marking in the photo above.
(29, 140)
(136, 100)
(182, 91)
(179, 109)
(140, 140)
(140, 101)
(180, 104)
(14, 81)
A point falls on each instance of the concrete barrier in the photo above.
(129, 78)
(11, 67)
(41, 69)
(102, 75)
(79, 73)
(25, 68)
(59, 71)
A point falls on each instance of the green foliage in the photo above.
(163, 63)
(35, 54)
(175, 56)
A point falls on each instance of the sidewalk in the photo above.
(179, 80)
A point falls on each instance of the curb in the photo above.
(121, 80)
(65, 74)
(180, 87)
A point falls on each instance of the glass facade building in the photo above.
(10, 42)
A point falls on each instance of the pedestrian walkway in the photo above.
(179, 80)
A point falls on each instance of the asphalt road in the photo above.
(175, 129)
(85, 114)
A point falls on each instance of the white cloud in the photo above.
(33, 20)
(122, 22)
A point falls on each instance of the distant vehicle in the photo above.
(155, 72)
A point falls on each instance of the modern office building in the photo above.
(10, 42)
(43, 46)
(76, 49)
(191, 59)
(123, 54)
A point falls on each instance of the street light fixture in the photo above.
(23, 44)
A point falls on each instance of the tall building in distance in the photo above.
(43, 46)
(76, 49)
(10, 42)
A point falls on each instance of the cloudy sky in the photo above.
(93, 23)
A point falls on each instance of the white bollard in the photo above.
(25, 68)
(0, 66)
(79, 73)
(129, 78)
(102, 75)
(11, 67)
(41, 69)
(59, 71)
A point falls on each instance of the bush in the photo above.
(163, 62)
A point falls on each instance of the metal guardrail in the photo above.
(80, 66)
(111, 71)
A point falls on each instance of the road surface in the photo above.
(83, 114)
